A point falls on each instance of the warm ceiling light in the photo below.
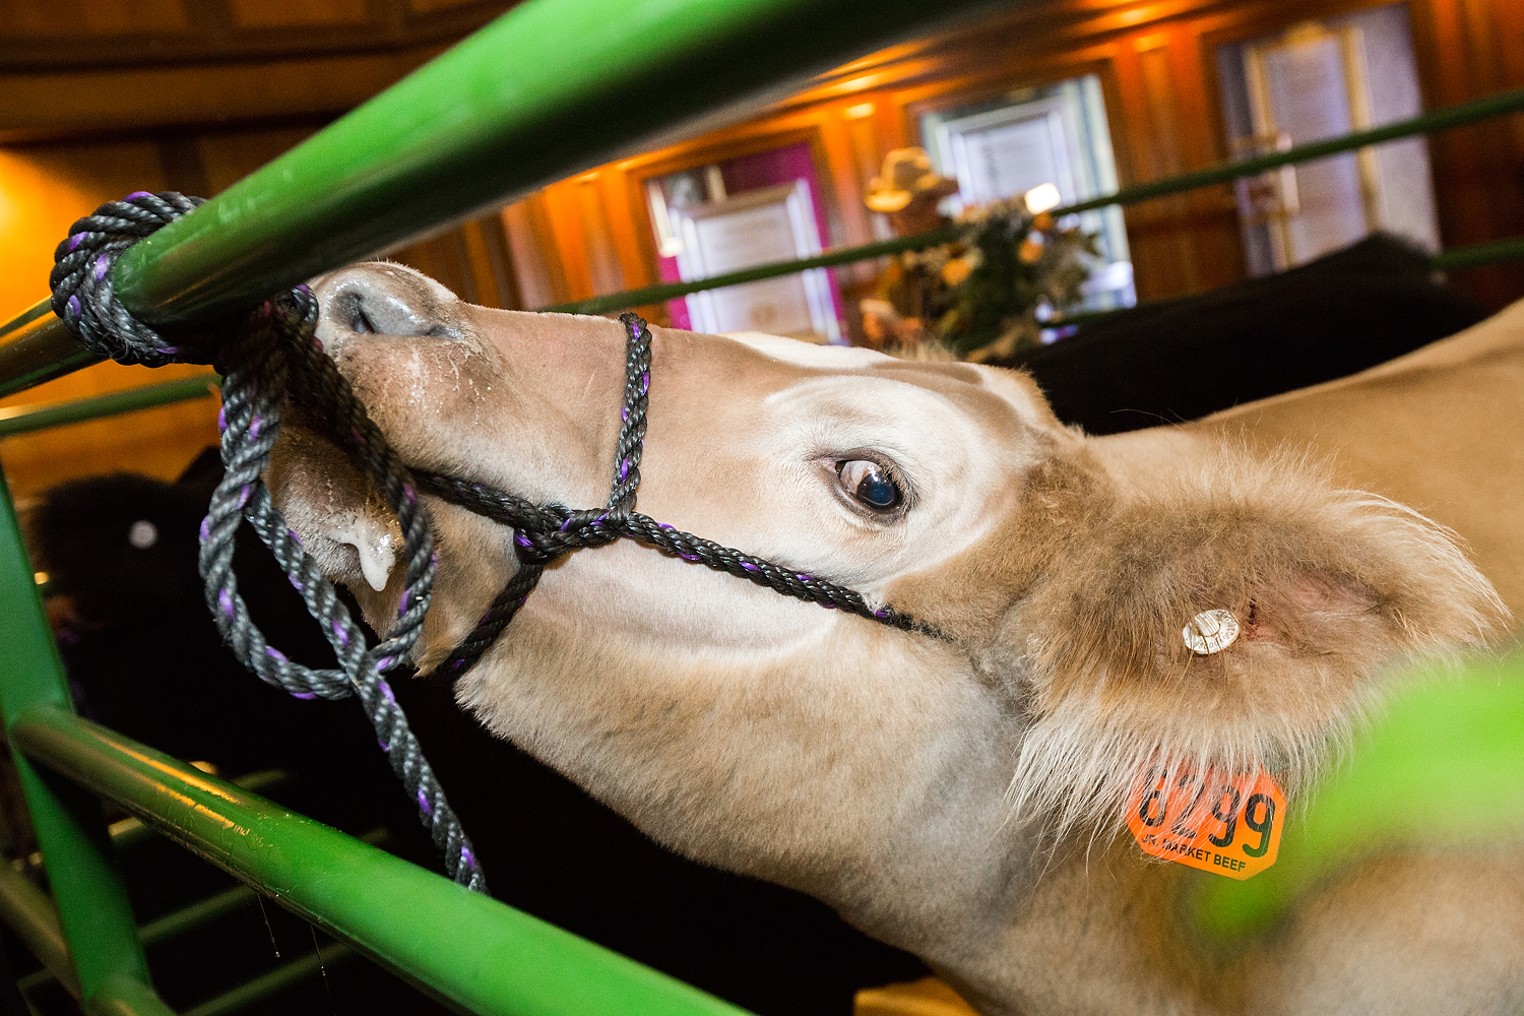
(859, 111)
(1041, 198)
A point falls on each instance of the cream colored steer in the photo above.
(959, 796)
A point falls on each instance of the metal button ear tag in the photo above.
(1210, 631)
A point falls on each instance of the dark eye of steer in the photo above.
(871, 485)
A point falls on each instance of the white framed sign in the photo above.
(754, 228)
(1001, 153)
(1307, 85)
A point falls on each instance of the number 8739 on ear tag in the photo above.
(1228, 825)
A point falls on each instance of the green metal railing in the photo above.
(37, 320)
(504, 112)
(1427, 123)
(552, 87)
(25, 419)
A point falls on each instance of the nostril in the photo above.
(375, 300)
(350, 310)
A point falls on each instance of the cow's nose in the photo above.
(364, 301)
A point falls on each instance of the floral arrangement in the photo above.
(1011, 272)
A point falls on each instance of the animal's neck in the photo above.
(1099, 931)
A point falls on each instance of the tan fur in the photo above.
(959, 796)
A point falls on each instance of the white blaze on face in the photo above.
(763, 473)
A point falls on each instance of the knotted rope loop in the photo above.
(591, 528)
(83, 295)
(275, 353)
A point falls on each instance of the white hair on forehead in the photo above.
(806, 354)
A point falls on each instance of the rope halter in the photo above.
(544, 533)
(275, 353)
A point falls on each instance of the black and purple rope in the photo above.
(274, 353)
(543, 533)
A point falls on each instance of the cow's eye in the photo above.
(870, 484)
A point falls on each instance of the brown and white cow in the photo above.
(958, 796)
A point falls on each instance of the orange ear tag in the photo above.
(1228, 825)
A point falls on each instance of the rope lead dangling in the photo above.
(273, 353)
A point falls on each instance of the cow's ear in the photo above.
(1342, 581)
(1242, 616)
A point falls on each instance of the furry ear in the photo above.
(1326, 587)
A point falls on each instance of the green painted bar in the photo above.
(1426, 123)
(25, 317)
(671, 290)
(39, 349)
(1475, 255)
(92, 903)
(30, 914)
(122, 995)
(245, 227)
(23, 419)
(550, 88)
(282, 977)
(459, 946)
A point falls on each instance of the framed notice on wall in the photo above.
(754, 228)
(1308, 85)
(1002, 153)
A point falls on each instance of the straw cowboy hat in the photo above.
(907, 175)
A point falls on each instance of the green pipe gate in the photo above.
(499, 115)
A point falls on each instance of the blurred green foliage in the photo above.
(1442, 765)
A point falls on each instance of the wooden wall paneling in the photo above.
(418, 7)
(863, 123)
(1211, 212)
(1164, 259)
(614, 196)
(43, 189)
(563, 216)
(56, 104)
(601, 255)
(184, 167)
(638, 244)
(853, 153)
(1478, 170)
(84, 35)
(536, 261)
(486, 248)
(1510, 30)
(228, 156)
(443, 256)
(72, 18)
(304, 13)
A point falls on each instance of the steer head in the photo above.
(772, 736)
